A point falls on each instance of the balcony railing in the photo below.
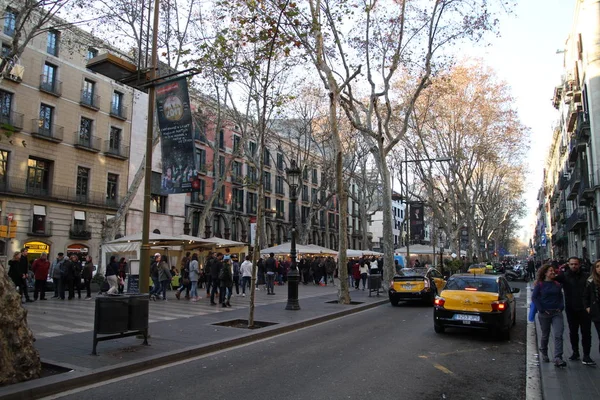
(577, 219)
(86, 142)
(53, 133)
(78, 233)
(89, 99)
(40, 230)
(582, 131)
(573, 150)
(574, 183)
(118, 111)
(50, 86)
(116, 150)
(59, 193)
(12, 121)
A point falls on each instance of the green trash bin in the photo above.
(374, 283)
(111, 314)
(138, 312)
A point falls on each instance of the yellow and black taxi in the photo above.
(477, 269)
(476, 301)
(420, 284)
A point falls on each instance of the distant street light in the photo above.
(293, 178)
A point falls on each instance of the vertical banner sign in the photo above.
(417, 225)
(176, 137)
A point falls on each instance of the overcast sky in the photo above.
(526, 57)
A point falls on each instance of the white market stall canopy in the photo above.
(418, 249)
(284, 248)
(351, 253)
(132, 244)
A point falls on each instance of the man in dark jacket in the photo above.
(214, 268)
(67, 279)
(270, 267)
(574, 281)
(24, 271)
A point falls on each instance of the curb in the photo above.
(63, 382)
(533, 385)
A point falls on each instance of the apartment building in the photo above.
(569, 199)
(64, 143)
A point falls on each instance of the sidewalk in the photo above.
(173, 339)
(574, 382)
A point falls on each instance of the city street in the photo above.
(386, 352)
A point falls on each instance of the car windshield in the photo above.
(472, 283)
(413, 271)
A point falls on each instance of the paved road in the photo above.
(386, 352)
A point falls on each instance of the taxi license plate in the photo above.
(467, 318)
(407, 287)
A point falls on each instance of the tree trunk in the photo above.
(388, 234)
(19, 359)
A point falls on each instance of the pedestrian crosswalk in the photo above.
(53, 317)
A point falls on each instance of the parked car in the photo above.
(416, 284)
(476, 301)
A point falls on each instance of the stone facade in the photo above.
(65, 135)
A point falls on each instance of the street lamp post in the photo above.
(293, 178)
(404, 163)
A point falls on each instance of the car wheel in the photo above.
(394, 301)
(438, 328)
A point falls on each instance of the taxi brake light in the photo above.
(471, 289)
(439, 301)
(498, 306)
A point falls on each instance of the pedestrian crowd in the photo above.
(69, 275)
(573, 289)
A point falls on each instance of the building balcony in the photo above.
(574, 184)
(116, 150)
(585, 193)
(118, 111)
(79, 234)
(573, 150)
(574, 109)
(50, 86)
(86, 142)
(59, 193)
(582, 130)
(89, 100)
(11, 121)
(577, 219)
(563, 182)
(51, 132)
(39, 229)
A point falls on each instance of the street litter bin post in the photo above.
(118, 316)
(374, 284)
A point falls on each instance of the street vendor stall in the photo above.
(312, 249)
